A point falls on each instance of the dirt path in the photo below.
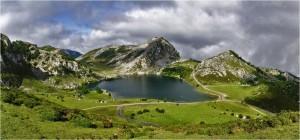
(221, 96)
(149, 103)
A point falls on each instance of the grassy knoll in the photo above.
(209, 113)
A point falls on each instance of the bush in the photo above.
(132, 116)
(31, 102)
(146, 110)
(140, 112)
(144, 99)
(82, 90)
(9, 97)
(51, 114)
(82, 122)
(107, 123)
(17, 97)
(160, 110)
(100, 91)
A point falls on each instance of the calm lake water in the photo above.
(153, 87)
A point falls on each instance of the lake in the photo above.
(153, 87)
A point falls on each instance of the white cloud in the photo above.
(4, 20)
(265, 33)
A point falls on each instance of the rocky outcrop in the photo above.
(24, 58)
(146, 57)
(281, 75)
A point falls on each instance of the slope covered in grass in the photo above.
(209, 113)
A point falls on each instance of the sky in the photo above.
(265, 33)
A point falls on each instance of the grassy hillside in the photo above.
(208, 113)
(41, 111)
(236, 91)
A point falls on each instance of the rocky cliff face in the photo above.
(24, 58)
(149, 56)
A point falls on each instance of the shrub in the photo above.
(140, 112)
(99, 90)
(160, 110)
(143, 99)
(17, 97)
(9, 97)
(51, 114)
(30, 102)
(107, 123)
(82, 121)
(146, 110)
(132, 116)
(82, 90)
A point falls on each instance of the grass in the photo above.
(70, 101)
(235, 92)
(282, 132)
(23, 122)
(210, 113)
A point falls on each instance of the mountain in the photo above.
(227, 67)
(66, 52)
(146, 57)
(19, 59)
(71, 53)
(276, 90)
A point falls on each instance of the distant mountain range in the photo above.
(278, 90)
(19, 58)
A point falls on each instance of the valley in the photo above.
(46, 93)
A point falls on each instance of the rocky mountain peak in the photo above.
(227, 66)
(148, 56)
(159, 41)
(229, 53)
(158, 38)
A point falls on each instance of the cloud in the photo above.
(265, 33)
